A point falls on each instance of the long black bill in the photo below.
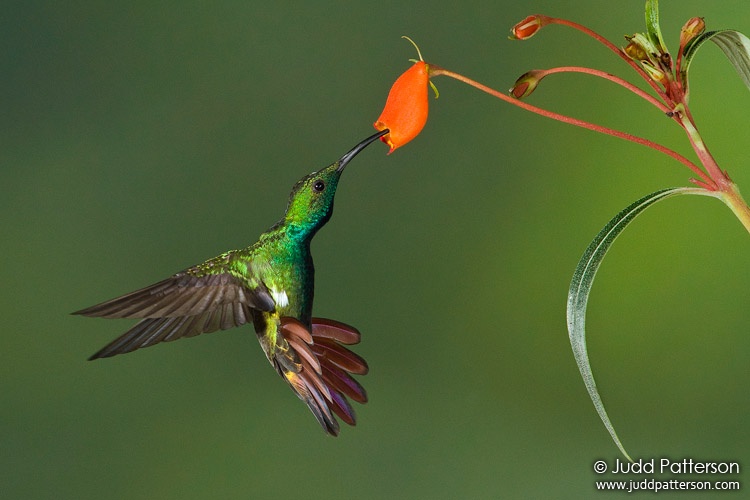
(359, 147)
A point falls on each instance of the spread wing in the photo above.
(183, 305)
(183, 295)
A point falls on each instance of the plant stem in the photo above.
(596, 36)
(612, 78)
(709, 163)
(727, 190)
(705, 180)
(733, 199)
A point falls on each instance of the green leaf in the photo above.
(735, 46)
(652, 25)
(580, 287)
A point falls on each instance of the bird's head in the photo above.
(311, 200)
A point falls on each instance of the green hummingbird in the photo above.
(270, 283)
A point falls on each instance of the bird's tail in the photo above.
(323, 378)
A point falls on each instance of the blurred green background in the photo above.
(139, 138)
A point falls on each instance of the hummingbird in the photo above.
(271, 284)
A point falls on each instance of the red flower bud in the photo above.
(405, 111)
(528, 27)
(694, 27)
(526, 84)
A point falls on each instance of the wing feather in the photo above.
(150, 331)
(183, 295)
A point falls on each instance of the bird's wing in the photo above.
(183, 294)
(150, 331)
(191, 302)
(318, 368)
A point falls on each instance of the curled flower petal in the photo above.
(405, 111)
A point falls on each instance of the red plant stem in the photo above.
(721, 180)
(726, 189)
(612, 78)
(596, 36)
(705, 180)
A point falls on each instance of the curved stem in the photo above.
(612, 78)
(596, 36)
(705, 180)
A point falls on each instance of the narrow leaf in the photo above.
(735, 46)
(652, 25)
(580, 287)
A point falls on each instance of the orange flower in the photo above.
(405, 111)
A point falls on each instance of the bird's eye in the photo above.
(319, 186)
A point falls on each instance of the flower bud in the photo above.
(526, 84)
(692, 29)
(640, 48)
(527, 28)
(635, 51)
